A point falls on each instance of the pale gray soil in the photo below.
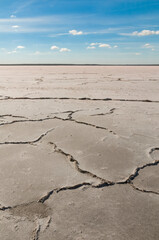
(79, 153)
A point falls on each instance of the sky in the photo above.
(79, 31)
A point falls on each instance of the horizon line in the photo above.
(73, 64)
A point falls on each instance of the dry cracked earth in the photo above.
(79, 153)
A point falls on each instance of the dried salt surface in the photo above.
(29, 172)
(79, 153)
(108, 156)
(116, 212)
(93, 82)
(15, 227)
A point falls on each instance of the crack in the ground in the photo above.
(104, 182)
(41, 226)
(71, 159)
(133, 176)
(103, 114)
(84, 185)
(138, 169)
(5, 208)
(93, 125)
(153, 149)
(47, 196)
(29, 142)
(36, 232)
(69, 118)
(57, 190)
(13, 116)
(101, 182)
(80, 99)
(33, 120)
(27, 120)
(143, 190)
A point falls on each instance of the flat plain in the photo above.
(79, 152)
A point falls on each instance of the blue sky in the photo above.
(79, 31)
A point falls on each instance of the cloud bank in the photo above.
(145, 33)
(142, 33)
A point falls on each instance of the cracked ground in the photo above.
(79, 153)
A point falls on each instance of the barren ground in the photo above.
(79, 153)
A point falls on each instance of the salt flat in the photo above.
(79, 152)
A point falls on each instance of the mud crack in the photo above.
(69, 118)
(29, 142)
(99, 182)
(80, 99)
(103, 114)
(36, 232)
(143, 190)
(138, 169)
(71, 159)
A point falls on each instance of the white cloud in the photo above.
(75, 32)
(145, 33)
(142, 33)
(15, 26)
(147, 45)
(94, 44)
(20, 47)
(60, 49)
(54, 48)
(101, 45)
(65, 50)
(12, 16)
(15, 50)
(104, 45)
(91, 47)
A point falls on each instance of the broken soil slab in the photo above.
(26, 131)
(148, 179)
(100, 152)
(116, 212)
(138, 121)
(29, 172)
(38, 109)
